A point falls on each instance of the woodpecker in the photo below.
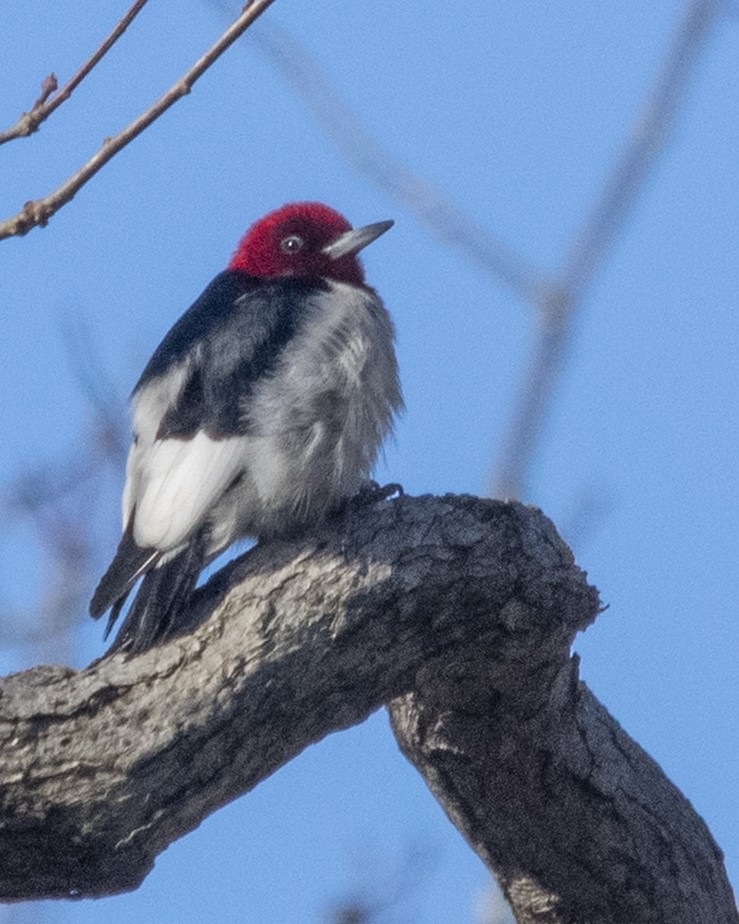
(260, 413)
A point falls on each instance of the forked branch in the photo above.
(460, 612)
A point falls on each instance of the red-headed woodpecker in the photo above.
(261, 412)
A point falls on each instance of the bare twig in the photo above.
(49, 99)
(565, 296)
(39, 211)
(49, 85)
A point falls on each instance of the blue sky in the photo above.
(517, 111)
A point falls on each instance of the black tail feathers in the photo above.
(158, 609)
(129, 563)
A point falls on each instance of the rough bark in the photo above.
(459, 611)
(578, 824)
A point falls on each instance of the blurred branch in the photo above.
(110, 419)
(50, 99)
(556, 299)
(58, 507)
(383, 892)
(58, 502)
(648, 138)
(39, 211)
(560, 302)
(430, 205)
(589, 508)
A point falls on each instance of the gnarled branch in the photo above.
(460, 612)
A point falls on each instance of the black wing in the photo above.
(231, 336)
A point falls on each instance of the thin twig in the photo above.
(39, 211)
(564, 298)
(49, 99)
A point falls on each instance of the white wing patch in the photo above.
(173, 483)
(177, 483)
(149, 406)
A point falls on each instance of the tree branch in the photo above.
(39, 211)
(101, 769)
(562, 298)
(50, 99)
(578, 824)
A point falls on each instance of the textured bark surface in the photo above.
(459, 611)
(579, 825)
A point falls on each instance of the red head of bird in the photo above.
(305, 239)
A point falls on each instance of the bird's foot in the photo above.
(372, 493)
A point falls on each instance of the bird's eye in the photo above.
(291, 244)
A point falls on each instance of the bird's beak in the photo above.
(351, 242)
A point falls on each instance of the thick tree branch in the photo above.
(456, 608)
(39, 211)
(578, 824)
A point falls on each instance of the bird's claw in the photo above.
(373, 493)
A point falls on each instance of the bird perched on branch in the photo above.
(261, 412)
